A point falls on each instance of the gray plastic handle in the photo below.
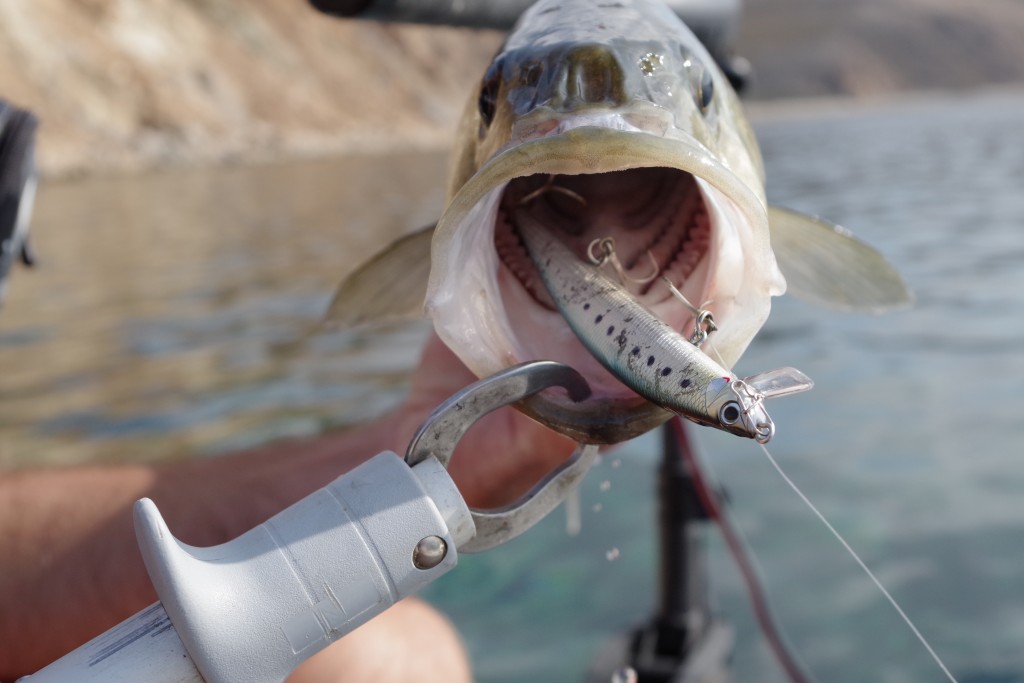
(144, 647)
(252, 609)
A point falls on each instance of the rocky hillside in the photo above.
(803, 48)
(123, 85)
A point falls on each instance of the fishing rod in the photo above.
(683, 641)
(679, 448)
(716, 18)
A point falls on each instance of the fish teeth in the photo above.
(668, 241)
(694, 246)
(512, 253)
(676, 229)
(676, 213)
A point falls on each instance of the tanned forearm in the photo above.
(70, 567)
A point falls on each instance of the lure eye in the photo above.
(729, 414)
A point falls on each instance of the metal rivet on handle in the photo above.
(429, 552)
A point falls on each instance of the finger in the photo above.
(439, 375)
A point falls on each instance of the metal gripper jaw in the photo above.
(441, 432)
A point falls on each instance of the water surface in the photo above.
(174, 313)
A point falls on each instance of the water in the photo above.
(170, 318)
(909, 444)
(173, 313)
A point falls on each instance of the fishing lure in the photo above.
(646, 354)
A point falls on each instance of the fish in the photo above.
(612, 121)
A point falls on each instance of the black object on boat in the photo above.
(17, 186)
(715, 22)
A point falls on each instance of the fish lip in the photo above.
(599, 421)
(576, 149)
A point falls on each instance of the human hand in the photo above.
(502, 455)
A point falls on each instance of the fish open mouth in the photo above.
(668, 209)
(650, 226)
(647, 228)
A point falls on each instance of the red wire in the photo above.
(755, 592)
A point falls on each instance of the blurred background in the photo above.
(181, 82)
(211, 168)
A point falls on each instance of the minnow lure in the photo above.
(646, 354)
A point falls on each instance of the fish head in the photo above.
(609, 120)
(630, 65)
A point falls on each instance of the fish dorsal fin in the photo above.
(779, 382)
(826, 265)
(391, 285)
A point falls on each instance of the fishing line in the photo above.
(849, 549)
(748, 569)
(856, 557)
(721, 360)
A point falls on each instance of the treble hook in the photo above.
(607, 245)
(703, 325)
(608, 255)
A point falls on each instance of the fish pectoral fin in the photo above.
(391, 285)
(825, 264)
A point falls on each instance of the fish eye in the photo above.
(729, 414)
(529, 75)
(702, 82)
(488, 102)
(706, 90)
